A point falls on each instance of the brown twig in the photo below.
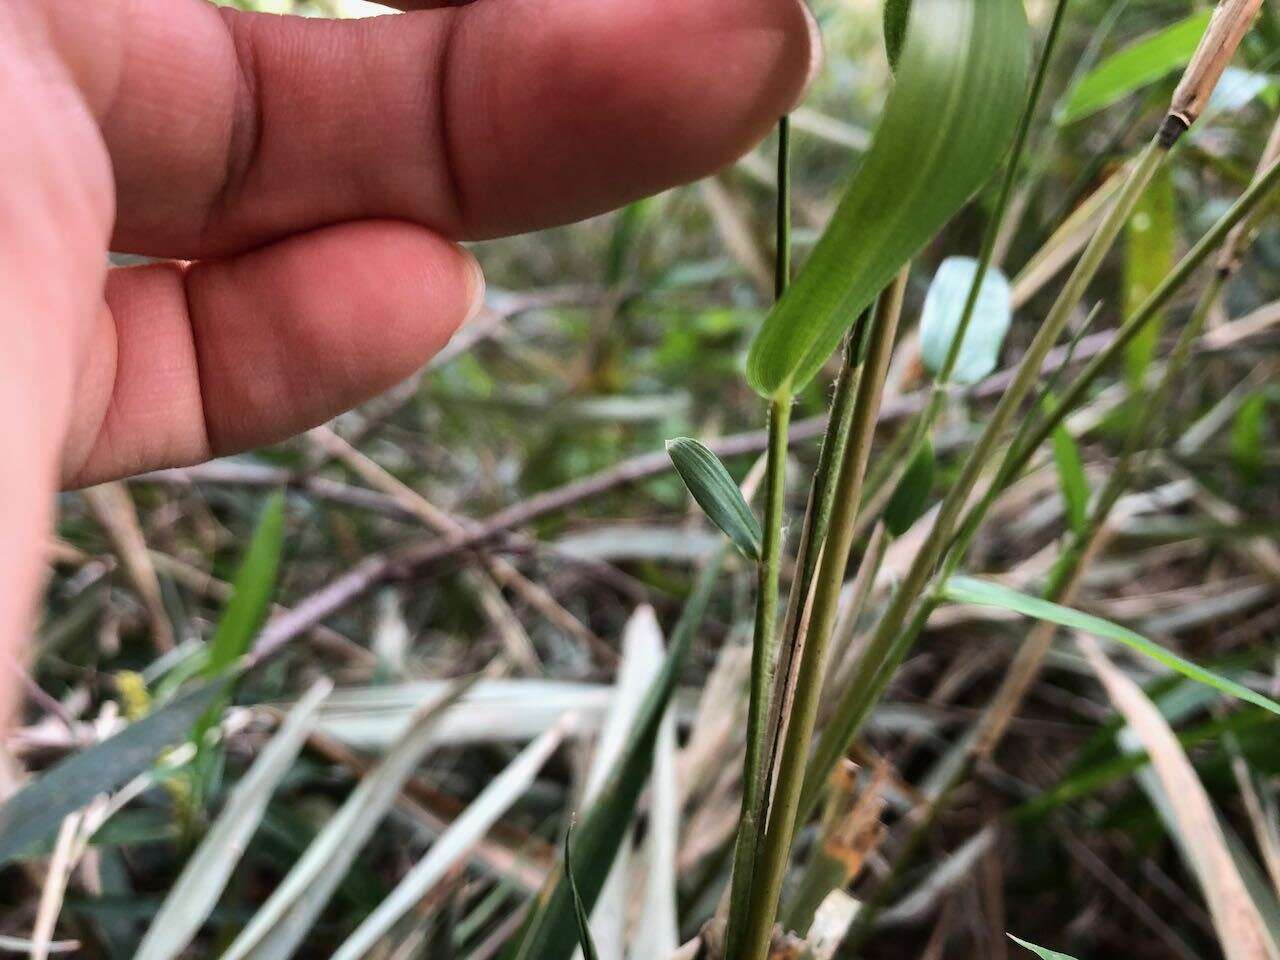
(113, 508)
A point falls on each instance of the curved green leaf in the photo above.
(254, 584)
(960, 87)
(717, 494)
(1140, 63)
(943, 308)
(961, 589)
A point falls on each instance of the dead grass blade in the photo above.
(1241, 931)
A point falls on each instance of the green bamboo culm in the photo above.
(889, 641)
(764, 652)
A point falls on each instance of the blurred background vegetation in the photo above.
(600, 341)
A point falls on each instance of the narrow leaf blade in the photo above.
(254, 584)
(962, 589)
(34, 812)
(1071, 478)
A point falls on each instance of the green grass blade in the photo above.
(715, 491)
(254, 584)
(960, 87)
(33, 814)
(943, 309)
(550, 932)
(1248, 436)
(1071, 478)
(1150, 251)
(896, 13)
(1139, 64)
(961, 589)
(584, 925)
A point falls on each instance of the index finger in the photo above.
(228, 130)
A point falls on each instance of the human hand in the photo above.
(316, 174)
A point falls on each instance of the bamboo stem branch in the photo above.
(889, 642)
(799, 704)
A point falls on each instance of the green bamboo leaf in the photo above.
(1150, 249)
(1137, 65)
(254, 584)
(962, 589)
(960, 86)
(1248, 436)
(943, 308)
(1071, 478)
(912, 493)
(550, 931)
(584, 924)
(717, 494)
(33, 814)
(1041, 952)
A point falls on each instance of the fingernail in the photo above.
(475, 285)
(815, 48)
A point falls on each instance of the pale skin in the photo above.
(308, 182)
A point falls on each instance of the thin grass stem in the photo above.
(802, 693)
(889, 642)
(764, 651)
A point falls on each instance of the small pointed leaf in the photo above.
(717, 494)
(1248, 436)
(943, 308)
(255, 582)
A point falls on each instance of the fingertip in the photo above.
(606, 101)
(475, 285)
(816, 53)
(291, 335)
